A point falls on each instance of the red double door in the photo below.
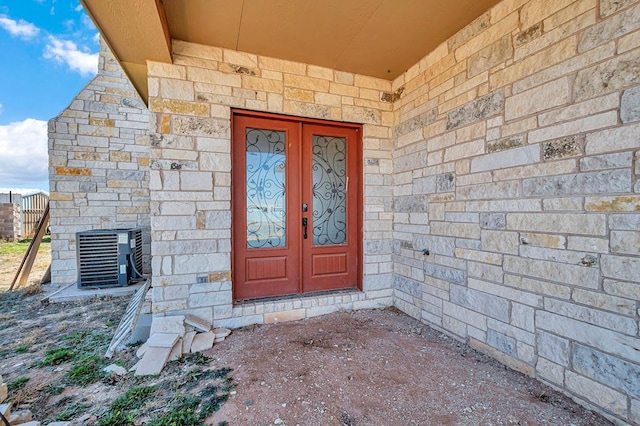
(296, 206)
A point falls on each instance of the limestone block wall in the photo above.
(99, 165)
(191, 102)
(517, 165)
(10, 224)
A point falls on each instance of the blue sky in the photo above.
(49, 52)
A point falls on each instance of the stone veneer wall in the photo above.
(517, 164)
(99, 165)
(10, 224)
(191, 103)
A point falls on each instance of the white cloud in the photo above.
(24, 153)
(20, 28)
(78, 8)
(1, 107)
(87, 22)
(67, 52)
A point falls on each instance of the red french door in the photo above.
(296, 206)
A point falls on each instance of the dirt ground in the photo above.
(375, 367)
(378, 368)
(9, 264)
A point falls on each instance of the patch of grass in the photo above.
(196, 376)
(198, 358)
(134, 398)
(54, 388)
(86, 370)
(194, 409)
(182, 412)
(23, 348)
(56, 356)
(118, 418)
(87, 341)
(214, 400)
(121, 412)
(17, 384)
(72, 411)
(20, 247)
(25, 394)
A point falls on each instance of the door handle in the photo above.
(305, 223)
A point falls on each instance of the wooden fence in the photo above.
(33, 207)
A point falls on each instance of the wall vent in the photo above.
(109, 257)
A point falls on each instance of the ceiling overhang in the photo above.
(379, 38)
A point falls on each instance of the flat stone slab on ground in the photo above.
(162, 340)
(176, 351)
(142, 349)
(22, 416)
(221, 332)
(197, 322)
(170, 324)
(187, 340)
(153, 361)
(202, 342)
(116, 369)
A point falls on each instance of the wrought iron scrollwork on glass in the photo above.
(329, 168)
(266, 197)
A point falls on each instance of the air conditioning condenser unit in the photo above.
(109, 257)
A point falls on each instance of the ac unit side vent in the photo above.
(105, 257)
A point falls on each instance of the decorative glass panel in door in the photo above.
(266, 195)
(265, 224)
(330, 176)
(329, 171)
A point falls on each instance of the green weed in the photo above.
(56, 356)
(198, 358)
(183, 413)
(54, 388)
(117, 418)
(134, 398)
(72, 411)
(17, 384)
(86, 370)
(23, 348)
(88, 342)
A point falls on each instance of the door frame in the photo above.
(359, 189)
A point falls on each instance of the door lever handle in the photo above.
(305, 223)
